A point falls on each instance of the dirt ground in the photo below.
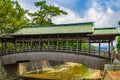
(112, 75)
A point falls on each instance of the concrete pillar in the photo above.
(22, 69)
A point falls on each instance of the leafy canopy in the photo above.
(45, 13)
(12, 16)
(118, 39)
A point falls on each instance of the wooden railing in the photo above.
(85, 51)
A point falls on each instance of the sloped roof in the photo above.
(105, 31)
(57, 29)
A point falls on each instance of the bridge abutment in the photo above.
(11, 70)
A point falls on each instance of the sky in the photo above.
(104, 13)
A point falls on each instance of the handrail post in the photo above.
(67, 43)
(39, 44)
(15, 46)
(89, 45)
(77, 45)
(57, 43)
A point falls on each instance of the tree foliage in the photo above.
(119, 23)
(12, 16)
(45, 13)
(118, 39)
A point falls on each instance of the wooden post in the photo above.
(89, 44)
(112, 46)
(23, 45)
(39, 43)
(48, 43)
(80, 45)
(77, 45)
(67, 42)
(72, 45)
(109, 48)
(31, 44)
(15, 46)
(112, 53)
(5, 47)
(99, 46)
(57, 43)
(8, 47)
(2, 46)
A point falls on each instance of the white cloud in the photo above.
(96, 13)
(101, 18)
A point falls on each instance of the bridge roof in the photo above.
(76, 28)
(57, 29)
(106, 31)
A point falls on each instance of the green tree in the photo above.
(119, 23)
(12, 16)
(118, 39)
(45, 13)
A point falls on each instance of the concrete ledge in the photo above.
(111, 67)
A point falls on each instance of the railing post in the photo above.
(67, 43)
(89, 45)
(57, 43)
(39, 44)
(2, 46)
(23, 45)
(15, 46)
(48, 43)
(31, 44)
(77, 45)
(80, 46)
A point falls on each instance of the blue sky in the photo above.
(105, 13)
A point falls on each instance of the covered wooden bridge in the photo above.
(76, 38)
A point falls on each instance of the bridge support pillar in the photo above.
(11, 70)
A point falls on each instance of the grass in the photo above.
(67, 71)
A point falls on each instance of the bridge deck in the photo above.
(96, 62)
